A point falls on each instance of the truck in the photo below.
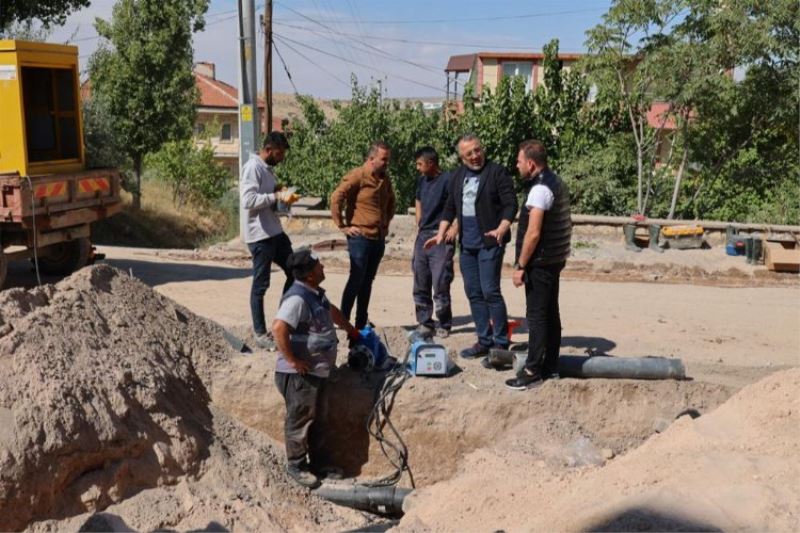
(48, 196)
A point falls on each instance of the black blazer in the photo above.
(496, 200)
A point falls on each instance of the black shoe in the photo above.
(524, 381)
(303, 476)
(485, 363)
(442, 333)
(475, 351)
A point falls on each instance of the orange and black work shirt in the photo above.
(367, 200)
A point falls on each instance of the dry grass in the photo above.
(159, 224)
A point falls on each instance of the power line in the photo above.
(324, 52)
(412, 41)
(301, 54)
(286, 68)
(476, 19)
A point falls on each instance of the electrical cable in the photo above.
(324, 52)
(35, 243)
(285, 67)
(301, 54)
(392, 446)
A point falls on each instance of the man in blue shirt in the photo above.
(433, 267)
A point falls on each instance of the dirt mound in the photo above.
(735, 468)
(103, 394)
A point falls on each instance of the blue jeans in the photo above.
(480, 269)
(264, 252)
(365, 257)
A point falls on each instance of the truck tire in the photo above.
(65, 257)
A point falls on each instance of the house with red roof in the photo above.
(218, 115)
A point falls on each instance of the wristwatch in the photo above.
(517, 266)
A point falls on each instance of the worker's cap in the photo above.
(302, 262)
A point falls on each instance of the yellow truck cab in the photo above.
(48, 197)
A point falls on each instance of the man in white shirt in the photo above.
(543, 246)
(261, 228)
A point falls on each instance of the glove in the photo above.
(286, 197)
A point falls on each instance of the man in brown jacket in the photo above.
(362, 206)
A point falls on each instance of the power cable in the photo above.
(285, 68)
(35, 239)
(324, 52)
(475, 19)
(323, 69)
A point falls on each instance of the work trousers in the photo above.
(365, 257)
(278, 249)
(544, 318)
(480, 269)
(306, 411)
(433, 269)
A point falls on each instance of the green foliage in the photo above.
(48, 12)
(191, 172)
(143, 72)
(323, 151)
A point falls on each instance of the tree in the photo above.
(191, 171)
(144, 74)
(48, 12)
(621, 62)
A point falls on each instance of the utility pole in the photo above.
(268, 63)
(248, 97)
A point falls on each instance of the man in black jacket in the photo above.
(483, 202)
(543, 246)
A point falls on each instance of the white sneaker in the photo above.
(265, 342)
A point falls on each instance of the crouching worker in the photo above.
(304, 332)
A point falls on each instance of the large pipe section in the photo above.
(384, 500)
(579, 366)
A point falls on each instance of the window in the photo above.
(51, 121)
(522, 69)
(225, 135)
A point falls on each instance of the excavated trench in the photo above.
(576, 422)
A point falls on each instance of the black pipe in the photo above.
(383, 500)
(579, 366)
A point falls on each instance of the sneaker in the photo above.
(475, 351)
(426, 332)
(524, 381)
(265, 342)
(442, 333)
(329, 472)
(303, 476)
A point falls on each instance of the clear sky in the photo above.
(405, 43)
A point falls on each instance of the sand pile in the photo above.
(103, 394)
(733, 469)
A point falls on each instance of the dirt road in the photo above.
(724, 335)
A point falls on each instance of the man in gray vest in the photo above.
(304, 332)
(543, 246)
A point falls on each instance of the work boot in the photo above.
(303, 476)
(655, 232)
(630, 241)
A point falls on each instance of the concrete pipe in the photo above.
(384, 500)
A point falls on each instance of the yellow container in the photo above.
(40, 119)
(682, 231)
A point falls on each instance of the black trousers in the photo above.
(544, 318)
(264, 252)
(365, 258)
(306, 408)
